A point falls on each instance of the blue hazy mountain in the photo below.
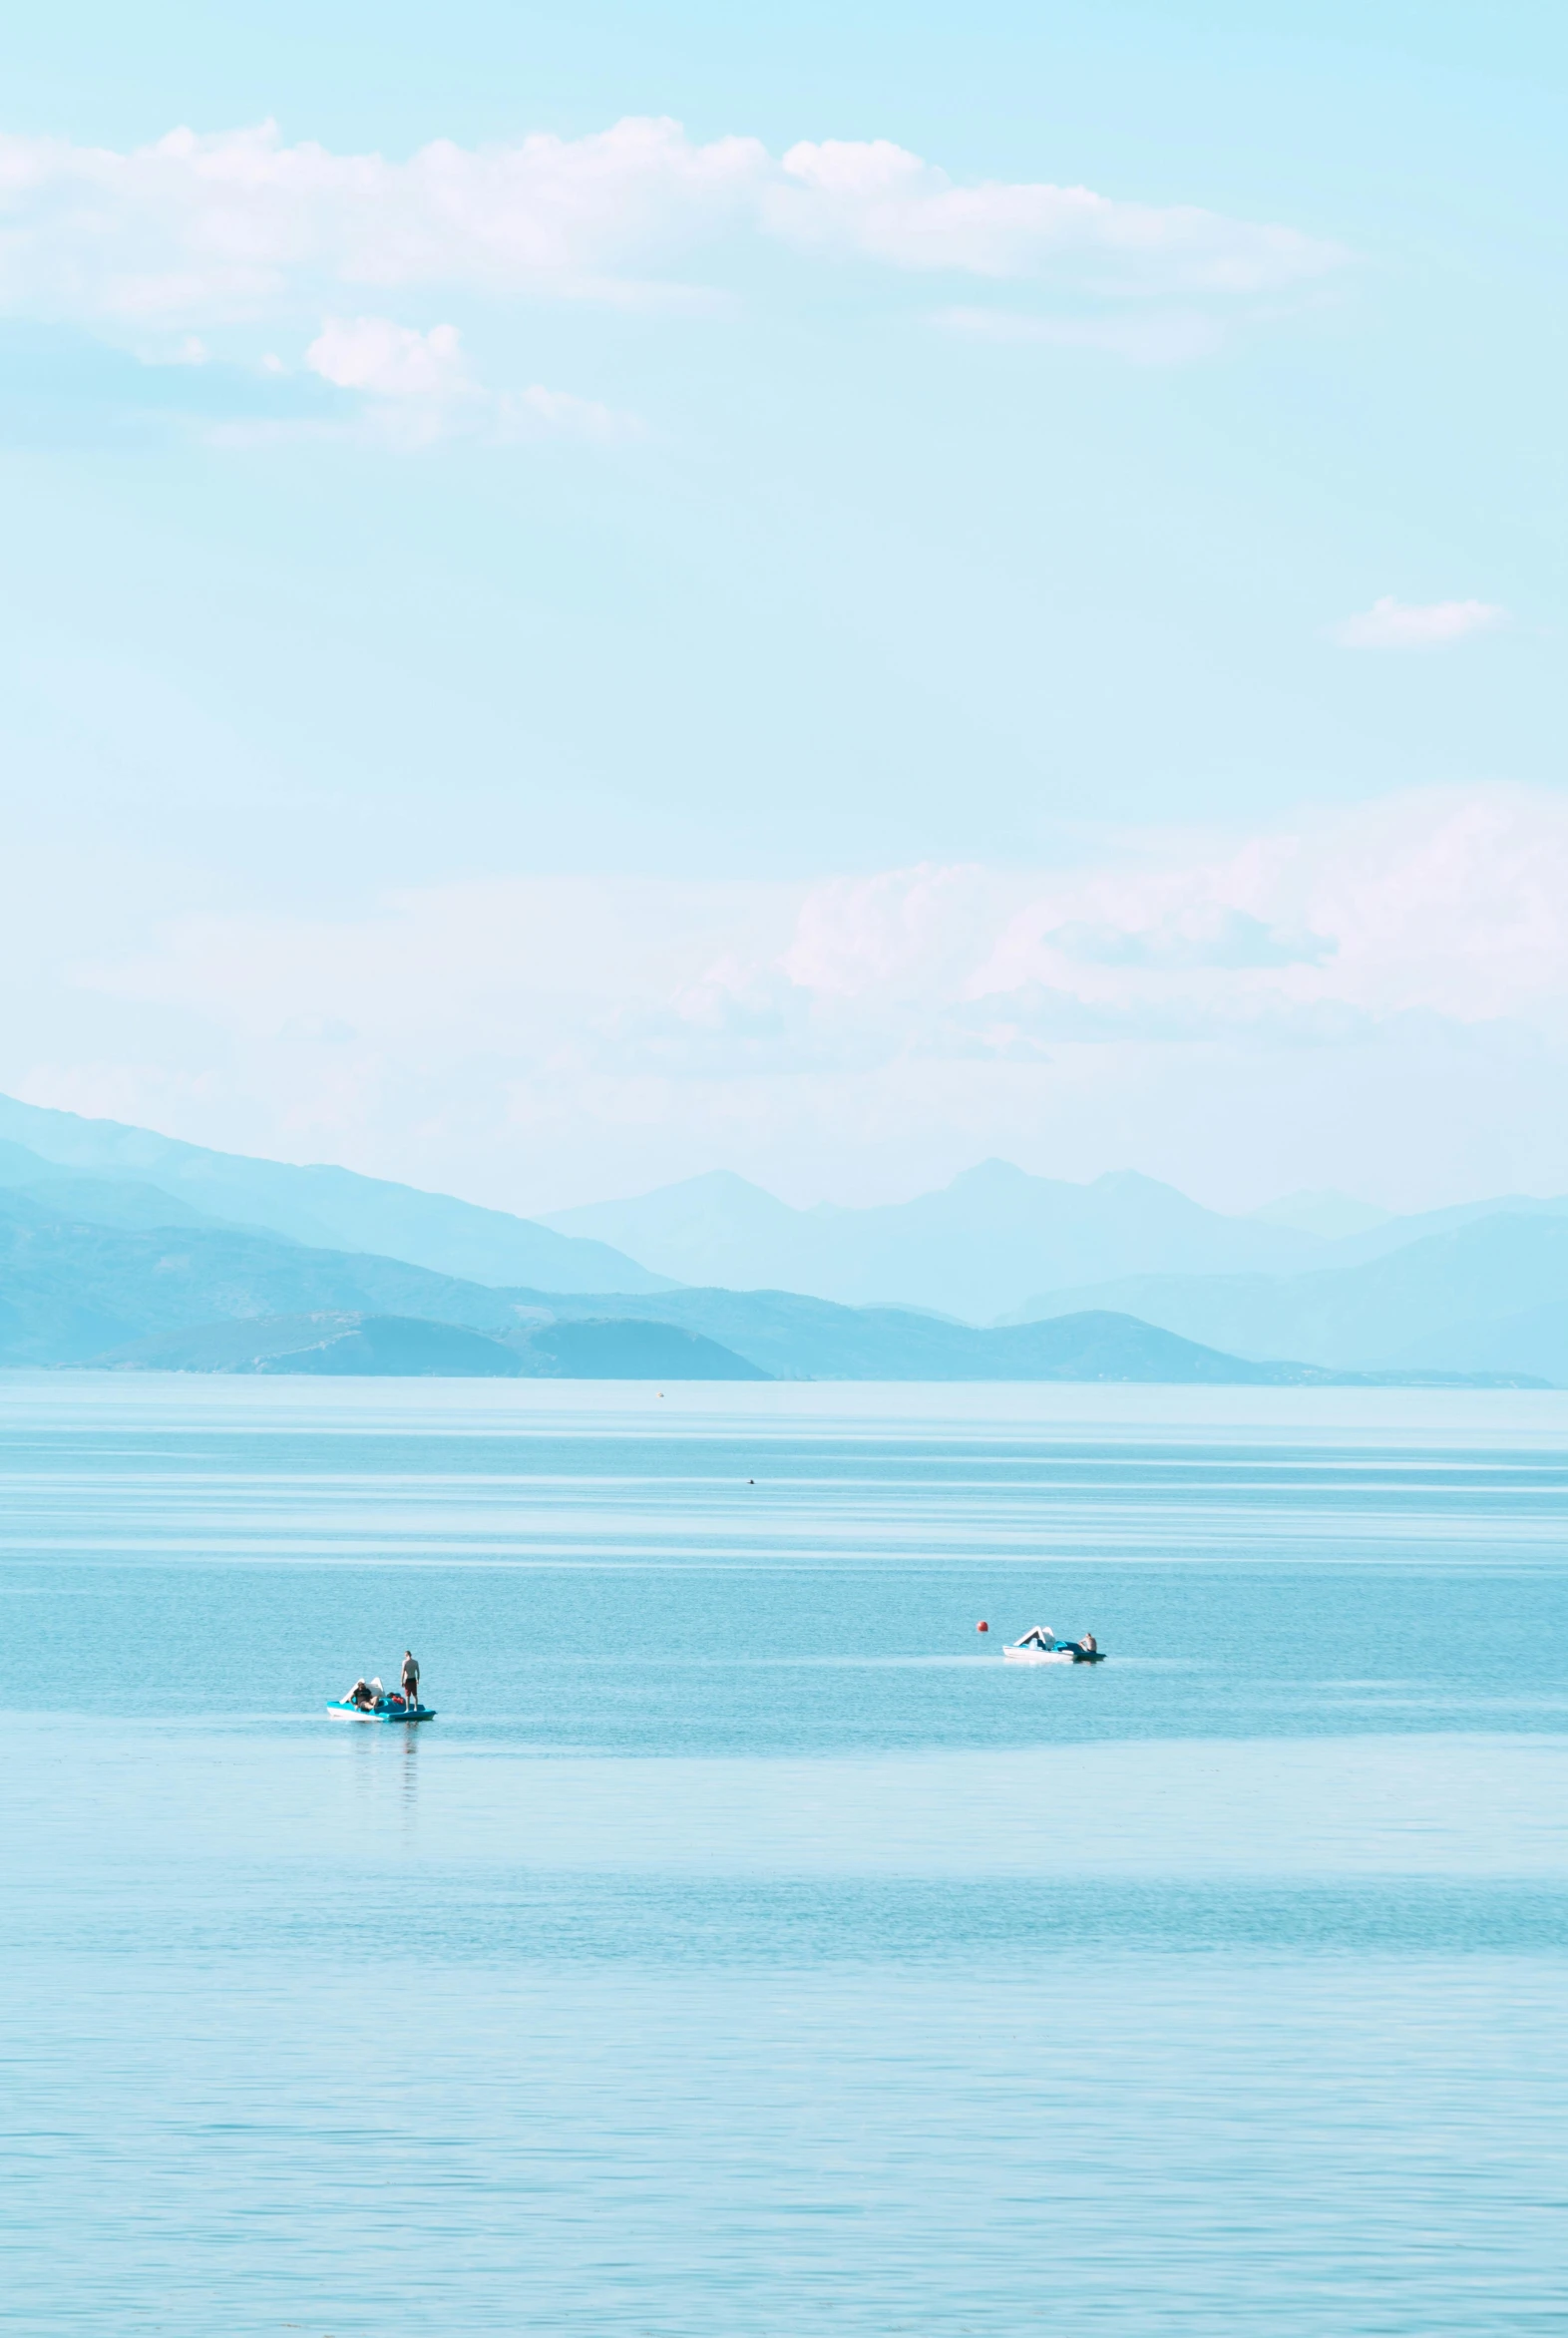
(98, 1260)
(1401, 1232)
(326, 1344)
(326, 1207)
(73, 1287)
(1331, 1216)
(898, 1343)
(103, 1201)
(409, 1347)
(794, 1337)
(975, 1248)
(1485, 1296)
(1533, 1340)
(210, 1298)
(1215, 1278)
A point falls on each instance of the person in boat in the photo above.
(362, 1694)
(410, 1678)
(1088, 1644)
(1039, 1635)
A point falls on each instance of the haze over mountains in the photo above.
(964, 1250)
(1477, 1288)
(101, 1267)
(209, 1298)
(1486, 1296)
(975, 1248)
(119, 1245)
(331, 1208)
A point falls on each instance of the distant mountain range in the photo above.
(796, 1336)
(119, 1245)
(326, 1207)
(974, 1250)
(1489, 1295)
(999, 1242)
(207, 1298)
(1331, 1216)
(403, 1346)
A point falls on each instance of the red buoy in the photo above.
(982, 1627)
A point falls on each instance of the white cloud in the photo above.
(1402, 967)
(905, 933)
(190, 350)
(879, 201)
(1445, 902)
(238, 225)
(1440, 901)
(417, 388)
(1206, 934)
(534, 412)
(1433, 625)
(1148, 337)
(390, 360)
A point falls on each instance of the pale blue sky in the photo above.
(840, 564)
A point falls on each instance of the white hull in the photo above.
(1040, 1655)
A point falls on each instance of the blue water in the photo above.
(746, 1949)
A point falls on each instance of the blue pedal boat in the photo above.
(380, 1709)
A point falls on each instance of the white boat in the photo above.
(1039, 1645)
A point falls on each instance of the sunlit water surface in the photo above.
(746, 1948)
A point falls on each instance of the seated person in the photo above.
(360, 1694)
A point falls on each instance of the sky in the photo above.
(597, 592)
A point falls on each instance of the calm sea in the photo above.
(746, 1948)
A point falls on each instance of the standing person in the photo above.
(410, 1677)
